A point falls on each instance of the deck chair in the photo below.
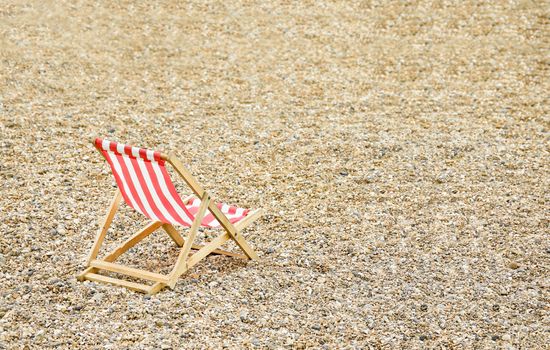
(145, 185)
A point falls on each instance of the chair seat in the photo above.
(234, 214)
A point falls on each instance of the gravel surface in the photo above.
(400, 150)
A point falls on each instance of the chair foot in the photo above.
(138, 287)
(82, 276)
(155, 288)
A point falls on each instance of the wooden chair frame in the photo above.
(184, 262)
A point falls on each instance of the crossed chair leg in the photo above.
(184, 261)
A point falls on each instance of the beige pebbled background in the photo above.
(400, 150)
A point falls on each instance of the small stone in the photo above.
(423, 307)
(513, 265)
(344, 173)
(495, 338)
(423, 337)
(98, 297)
(316, 327)
(370, 178)
(506, 337)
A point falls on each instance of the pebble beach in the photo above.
(399, 150)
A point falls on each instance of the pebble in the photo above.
(98, 297)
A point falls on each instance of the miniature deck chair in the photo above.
(145, 185)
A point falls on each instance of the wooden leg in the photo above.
(249, 219)
(82, 276)
(181, 263)
(178, 239)
(132, 241)
(219, 251)
(155, 288)
(129, 271)
(90, 272)
(103, 229)
(117, 282)
(171, 230)
(207, 249)
(174, 234)
(241, 242)
(246, 248)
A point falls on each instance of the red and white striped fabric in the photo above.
(145, 185)
(232, 213)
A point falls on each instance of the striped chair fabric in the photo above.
(145, 185)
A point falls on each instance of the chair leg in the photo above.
(90, 273)
(241, 242)
(174, 234)
(155, 288)
(246, 248)
(207, 249)
(178, 239)
(181, 263)
(115, 203)
(132, 241)
(219, 251)
(203, 252)
(82, 276)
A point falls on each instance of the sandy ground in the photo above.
(400, 151)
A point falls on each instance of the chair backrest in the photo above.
(144, 182)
